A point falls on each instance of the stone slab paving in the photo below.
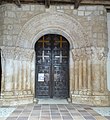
(54, 112)
(104, 111)
(6, 111)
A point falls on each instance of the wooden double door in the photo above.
(52, 67)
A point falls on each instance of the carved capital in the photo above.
(75, 54)
(17, 53)
(81, 53)
(99, 53)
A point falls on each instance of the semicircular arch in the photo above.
(52, 23)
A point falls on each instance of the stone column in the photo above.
(33, 74)
(80, 74)
(71, 70)
(8, 75)
(90, 66)
(76, 69)
(102, 84)
(15, 72)
(82, 71)
(24, 76)
(28, 75)
(89, 76)
(84, 74)
(85, 58)
(105, 73)
(104, 80)
(19, 76)
(3, 72)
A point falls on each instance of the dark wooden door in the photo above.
(52, 66)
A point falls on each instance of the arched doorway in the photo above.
(52, 67)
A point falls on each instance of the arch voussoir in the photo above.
(57, 23)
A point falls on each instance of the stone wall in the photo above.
(92, 19)
(86, 31)
(15, 18)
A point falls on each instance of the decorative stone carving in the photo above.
(90, 79)
(99, 53)
(17, 53)
(82, 53)
(17, 77)
(89, 67)
(93, 53)
(80, 27)
(74, 31)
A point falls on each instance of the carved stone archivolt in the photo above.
(89, 70)
(55, 24)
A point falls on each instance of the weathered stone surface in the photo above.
(90, 69)
(90, 76)
(16, 53)
(91, 100)
(17, 80)
(84, 28)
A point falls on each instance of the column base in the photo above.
(8, 98)
(93, 100)
(16, 101)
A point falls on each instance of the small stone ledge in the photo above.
(91, 100)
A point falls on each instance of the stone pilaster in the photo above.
(99, 76)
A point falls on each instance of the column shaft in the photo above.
(24, 75)
(89, 75)
(76, 76)
(80, 74)
(3, 75)
(84, 75)
(19, 75)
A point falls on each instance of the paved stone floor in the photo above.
(54, 112)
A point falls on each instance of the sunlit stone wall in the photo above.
(86, 30)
